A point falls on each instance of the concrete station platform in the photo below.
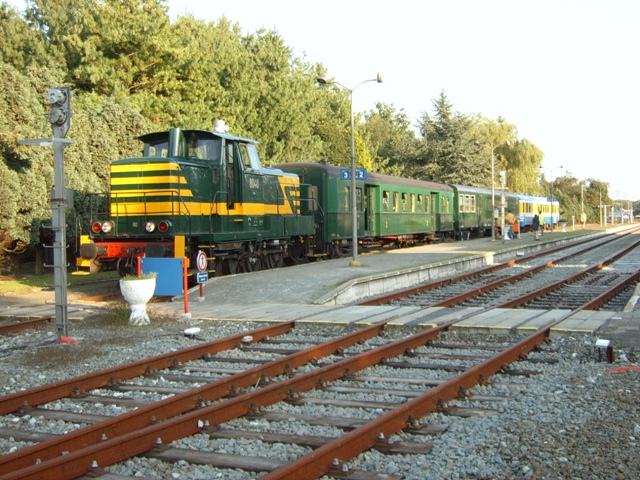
(328, 292)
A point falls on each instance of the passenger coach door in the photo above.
(371, 214)
(435, 208)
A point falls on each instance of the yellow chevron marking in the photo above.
(145, 180)
(117, 194)
(144, 167)
(131, 209)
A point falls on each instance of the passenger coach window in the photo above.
(427, 204)
(413, 202)
(385, 200)
(395, 201)
(404, 202)
(473, 203)
(444, 205)
(346, 199)
(419, 202)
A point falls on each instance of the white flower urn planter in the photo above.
(137, 292)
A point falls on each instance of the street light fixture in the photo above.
(493, 184)
(552, 180)
(354, 209)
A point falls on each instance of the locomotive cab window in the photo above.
(156, 149)
(249, 156)
(202, 148)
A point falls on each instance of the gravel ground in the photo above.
(574, 420)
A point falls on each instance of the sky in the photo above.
(566, 73)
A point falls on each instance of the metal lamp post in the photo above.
(354, 207)
(493, 184)
(552, 180)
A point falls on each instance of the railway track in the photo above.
(563, 278)
(285, 375)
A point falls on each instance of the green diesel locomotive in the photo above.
(192, 191)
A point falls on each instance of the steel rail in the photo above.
(25, 325)
(78, 385)
(521, 300)
(181, 403)
(450, 302)
(332, 456)
(112, 450)
(610, 237)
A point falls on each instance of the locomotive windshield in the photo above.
(203, 148)
(159, 148)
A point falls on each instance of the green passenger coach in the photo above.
(390, 210)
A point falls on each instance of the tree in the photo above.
(391, 140)
(450, 150)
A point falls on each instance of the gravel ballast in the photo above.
(577, 418)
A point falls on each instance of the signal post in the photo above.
(59, 115)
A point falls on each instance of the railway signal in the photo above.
(59, 115)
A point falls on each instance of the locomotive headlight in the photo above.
(107, 227)
(102, 227)
(164, 226)
(149, 226)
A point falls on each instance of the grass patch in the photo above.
(106, 331)
(28, 283)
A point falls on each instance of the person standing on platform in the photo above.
(541, 222)
(510, 220)
(535, 225)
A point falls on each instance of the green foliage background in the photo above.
(132, 70)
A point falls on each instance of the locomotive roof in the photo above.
(200, 133)
(334, 171)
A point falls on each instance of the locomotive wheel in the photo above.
(271, 261)
(231, 266)
(126, 266)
